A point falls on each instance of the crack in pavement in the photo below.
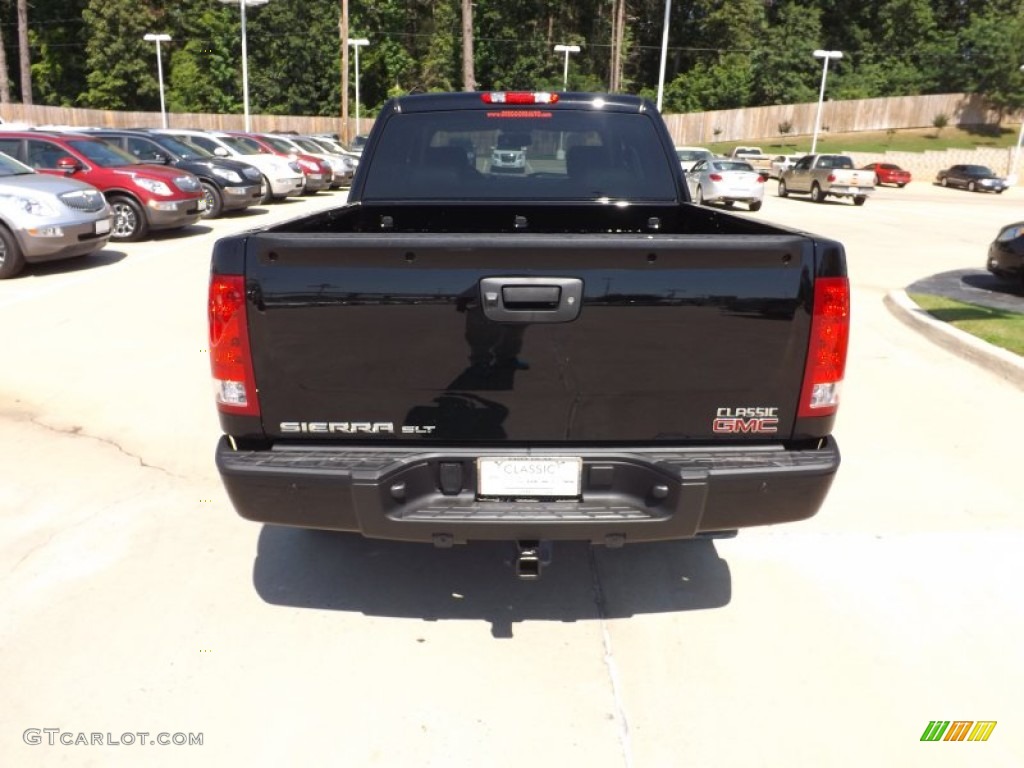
(77, 431)
(619, 713)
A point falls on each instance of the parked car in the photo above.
(335, 147)
(143, 197)
(782, 163)
(334, 144)
(726, 181)
(1006, 253)
(317, 172)
(342, 167)
(281, 177)
(688, 156)
(45, 218)
(359, 143)
(888, 173)
(973, 178)
(228, 185)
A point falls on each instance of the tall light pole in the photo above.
(826, 55)
(358, 43)
(153, 38)
(245, 56)
(566, 49)
(664, 52)
(1016, 152)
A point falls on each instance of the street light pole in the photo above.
(826, 55)
(664, 52)
(151, 38)
(1016, 152)
(245, 57)
(566, 49)
(358, 43)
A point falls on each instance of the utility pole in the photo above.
(468, 75)
(343, 36)
(24, 61)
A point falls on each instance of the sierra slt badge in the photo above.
(756, 421)
(352, 428)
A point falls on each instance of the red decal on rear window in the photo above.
(514, 113)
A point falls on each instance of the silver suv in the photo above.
(46, 217)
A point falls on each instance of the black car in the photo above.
(228, 185)
(974, 178)
(1006, 253)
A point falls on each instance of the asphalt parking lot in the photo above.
(136, 601)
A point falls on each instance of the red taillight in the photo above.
(230, 358)
(519, 97)
(715, 176)
(760, 179)
(831, 178)
(826, 353)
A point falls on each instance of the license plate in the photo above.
(102, 227)
(855, 190)
(529, 476)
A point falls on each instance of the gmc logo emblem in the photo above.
(735, 426)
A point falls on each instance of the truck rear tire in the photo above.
(783, 191)
(816, 194)
(860, 199)
(11, 259)
(755, 207)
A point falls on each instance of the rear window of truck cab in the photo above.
(506, 155)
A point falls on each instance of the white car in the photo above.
(690, 156)
(721, 180)
(281, 177)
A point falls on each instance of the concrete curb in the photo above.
(1006, 365)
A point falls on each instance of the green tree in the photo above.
(294, 58)
(990, 55)
(56, 32)
(119, 63)
(202, 66)
(785, 72)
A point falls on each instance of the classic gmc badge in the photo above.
(754, 421)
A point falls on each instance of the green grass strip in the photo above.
(996, 326)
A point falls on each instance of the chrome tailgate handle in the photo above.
(531, 299)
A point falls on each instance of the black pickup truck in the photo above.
(573, 352)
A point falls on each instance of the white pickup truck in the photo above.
(823, 176)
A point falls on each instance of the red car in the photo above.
(144, 198)
(318, 172)
(887, 173)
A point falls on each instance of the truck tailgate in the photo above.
(527, 338)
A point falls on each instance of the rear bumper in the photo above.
(629, 495)
(848, 191)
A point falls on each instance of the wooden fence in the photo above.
(750, 124)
